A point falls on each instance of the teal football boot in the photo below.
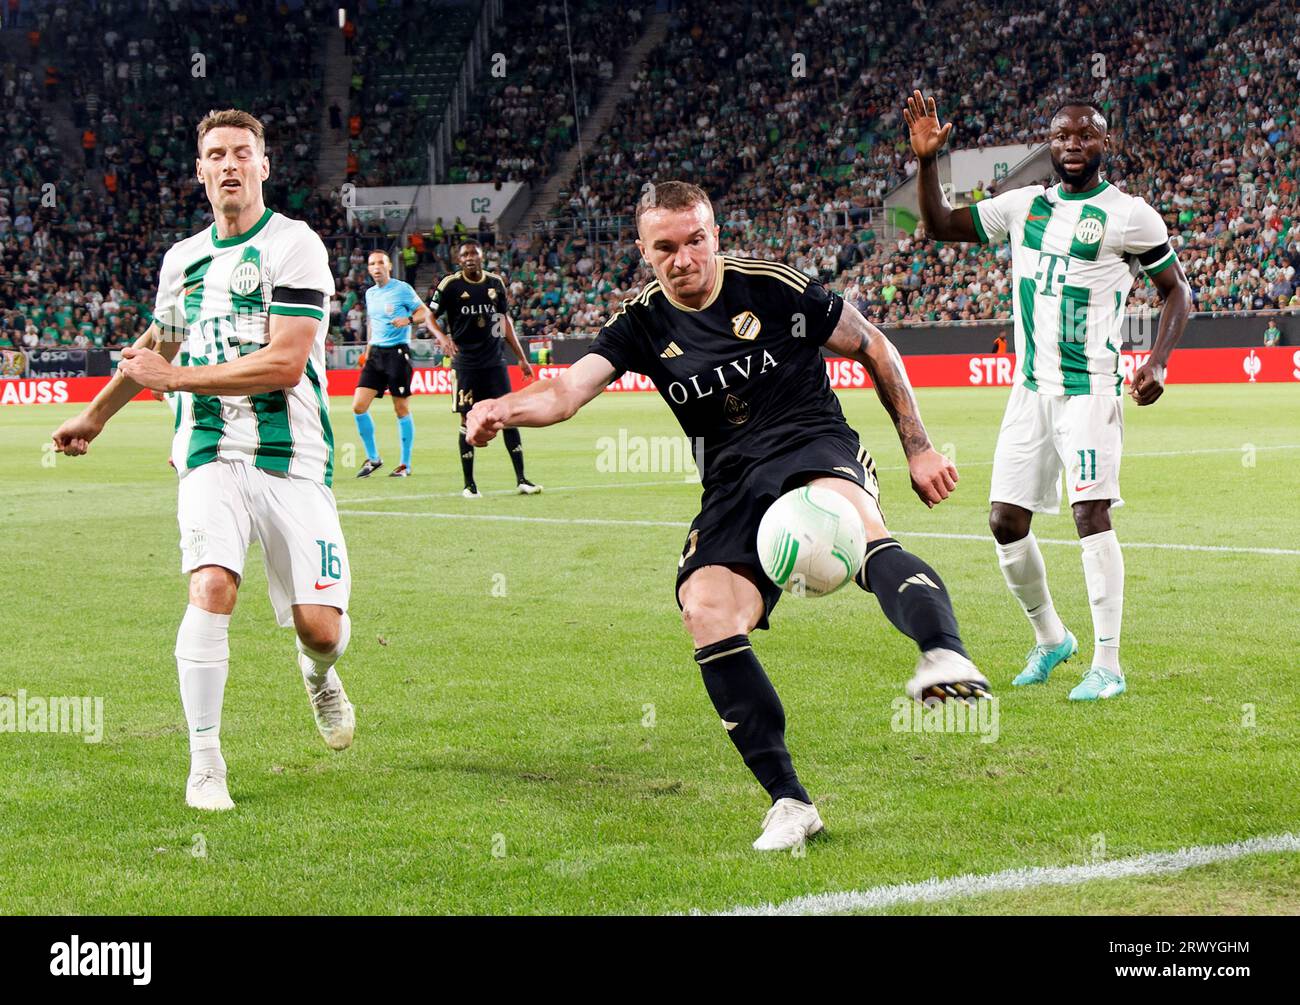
(1042, 660)
(1098, 682)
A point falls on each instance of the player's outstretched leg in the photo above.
(1103, 571)
(202, 665)
(1026, 575)
(323, 634)
(467, 465)
(515, 446)
(719, 608)
(916, 602)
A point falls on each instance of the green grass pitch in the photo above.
(532, 733)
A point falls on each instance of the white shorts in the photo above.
(223, 506)
(1044, 433)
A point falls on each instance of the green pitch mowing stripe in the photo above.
(533, 736)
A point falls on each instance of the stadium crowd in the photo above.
(790, 117)
(81, 238)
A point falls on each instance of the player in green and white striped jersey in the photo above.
(1075, 250)
(245, 303)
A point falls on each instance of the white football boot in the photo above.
(335, 717)
(206, 790)
(941, 671)
(787, 825)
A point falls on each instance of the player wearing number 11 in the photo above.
(1075, 249)
(245, 303)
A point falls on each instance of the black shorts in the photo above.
(388, 368)
(726, 530)
(472, 386)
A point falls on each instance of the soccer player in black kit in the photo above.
(477, 310)
(733, 346)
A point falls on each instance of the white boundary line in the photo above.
(935, 890)
(983, 538)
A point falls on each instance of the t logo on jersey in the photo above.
(1051, 268)
(746, 326)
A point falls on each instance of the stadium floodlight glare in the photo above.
(343, 16)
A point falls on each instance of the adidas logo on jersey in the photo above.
(920, 579)
(671, 352)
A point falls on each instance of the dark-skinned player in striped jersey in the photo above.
(476, 307)
(734, 347)
(1075, 250)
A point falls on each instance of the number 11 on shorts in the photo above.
(331, 567)
(1087, 465)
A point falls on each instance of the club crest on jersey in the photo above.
(492, 293)
(746, 326)
(1089, 230)
(246, 278)
(736, 410)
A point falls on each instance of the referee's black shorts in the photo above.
(472, 386)
(726, 530)
(388, 368)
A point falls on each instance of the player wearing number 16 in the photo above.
(1075, 250)
(244, 303)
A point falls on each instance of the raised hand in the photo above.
(928, 137)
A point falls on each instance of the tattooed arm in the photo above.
(933, 476)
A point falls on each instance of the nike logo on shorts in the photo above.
(1080, 488)
(326, 586)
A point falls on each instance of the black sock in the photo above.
(911, 594)
(751, 712)
(466, 458)
(516, 447)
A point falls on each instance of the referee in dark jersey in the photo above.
(733, 346)
(476, 307)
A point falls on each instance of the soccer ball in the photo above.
(811, 541)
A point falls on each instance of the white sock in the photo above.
(1103, 571)
(1026, 575)
(203, 663)
(317, 667)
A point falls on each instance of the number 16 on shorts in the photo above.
(331, 566)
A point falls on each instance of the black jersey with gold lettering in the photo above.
(473, 311)
(743, 373)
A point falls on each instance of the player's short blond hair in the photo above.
(235, 119)
(670, 195)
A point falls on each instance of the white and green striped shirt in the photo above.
(217, 296)
(1073, 259)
